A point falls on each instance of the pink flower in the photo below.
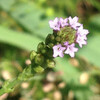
(62, 25)
(81, 40)
(63, 22)
(82, 31)
(58, 50)
(81, 36)
(71, 50)
(66, 43)
(55, 24)
(73, 22)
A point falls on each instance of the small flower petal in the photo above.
(54, 24)
(73, 22)
(66, 43)
(82, 31)
(71, 49)
(58, 50)
(81, 40)
(63, 22)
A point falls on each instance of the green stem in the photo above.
(2, 91)
(8, 86)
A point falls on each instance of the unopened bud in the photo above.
(50, 63)
(50, 52)
(52, 37)
(32, 55)
(39, 59)
(40, 46)
(28, 62)
(38, 69)
(50, 45)
(43, 51)
(59, 33)
(49, 38)
(58, 38)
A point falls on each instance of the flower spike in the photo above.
(67, 33)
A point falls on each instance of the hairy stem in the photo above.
(8, 86)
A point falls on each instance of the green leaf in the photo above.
(6, 4)
(29, 15)
(83, 93)
(21, 40)
(9, 86)
(95, 3)
(94, 24)
(31, 18)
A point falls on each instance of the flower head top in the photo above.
(70, 49)
(58, 50)
(67, 32)
(63, 22)
(73, 22)
(55, 24)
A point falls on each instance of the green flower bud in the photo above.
(43, 51)
(59, 33)
(32, 55)
(47, 40)
(39, 59)
(38, 69)
(50, 52)
(58, 39)
(50, 63)
(40, 46)
(66, 34)
(50, 45)
(50, 38)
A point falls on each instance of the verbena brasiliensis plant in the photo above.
(67, 33)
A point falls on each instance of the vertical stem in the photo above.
(8, 86)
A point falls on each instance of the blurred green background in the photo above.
(23, 24)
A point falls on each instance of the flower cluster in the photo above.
(70, 32)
